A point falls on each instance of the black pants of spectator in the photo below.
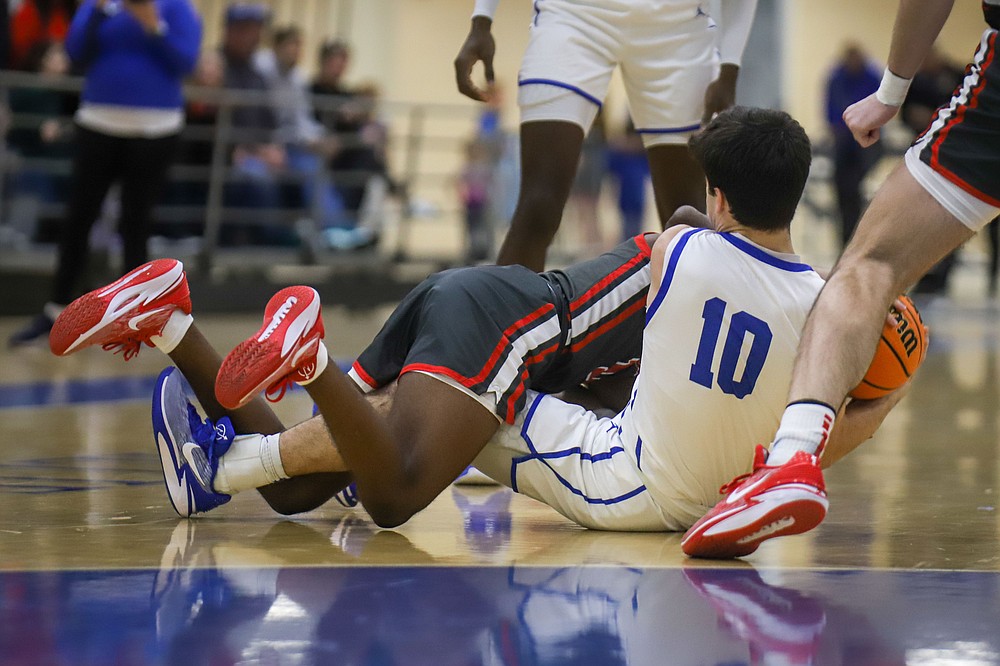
(140, 165)
(851, 163)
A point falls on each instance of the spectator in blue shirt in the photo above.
(135, 55)
(853, 78)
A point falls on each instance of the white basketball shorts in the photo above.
(577, 463)
(666, 50)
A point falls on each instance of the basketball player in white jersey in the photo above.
(679, 68)
(947, 189)
(724, 314)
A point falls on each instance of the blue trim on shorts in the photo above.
(638, 452)
(764, 256)
(542, 457)
(670, 130)
(668, 274)
(559, 84)
(534, 5)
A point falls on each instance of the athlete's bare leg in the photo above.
(902, 235)
(195, 357)
(401, 462)
(677, 180)
(550, 153)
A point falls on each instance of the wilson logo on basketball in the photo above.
(900, 351)
(278, 317)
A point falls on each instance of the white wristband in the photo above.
(487, 8)
(892, 90)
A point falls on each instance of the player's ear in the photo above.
(718, 201)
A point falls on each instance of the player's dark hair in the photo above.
(759, 158)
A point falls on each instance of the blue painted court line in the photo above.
(85, 391)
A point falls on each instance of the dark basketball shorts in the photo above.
(496, 331)
(957, 158)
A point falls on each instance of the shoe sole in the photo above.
(169, 397)
(101, 314)
(244, 372)
(780, 512)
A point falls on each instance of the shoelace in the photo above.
(128, 348)
(726, 488)
(276, 391)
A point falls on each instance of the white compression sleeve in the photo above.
(735, 20)
(487, 8)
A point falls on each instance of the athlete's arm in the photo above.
(656, 259)
(735, 19)
(918, 23)
(479, 46)
(857, 423)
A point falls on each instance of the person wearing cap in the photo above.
(135, 55)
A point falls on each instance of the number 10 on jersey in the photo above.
(741, 325)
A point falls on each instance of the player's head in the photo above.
(758, 158)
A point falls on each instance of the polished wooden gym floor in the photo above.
(95, 568)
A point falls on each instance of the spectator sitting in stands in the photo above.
(38, 21)
(258, 158)
(359, 157)
(306, 141)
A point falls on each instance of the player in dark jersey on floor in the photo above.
(473, 335)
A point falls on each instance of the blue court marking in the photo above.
(590, 616)
(42, 476)
(87, 391)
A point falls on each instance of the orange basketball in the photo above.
(900, 351)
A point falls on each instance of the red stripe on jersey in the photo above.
(505, 339)
(605, 327)
(512, 400)
(365, 377)
(956, 120)
(605, 281)
(643, 244)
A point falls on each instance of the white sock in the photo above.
(805, 426)
(173, 331)
(322, 357)
(252, 461)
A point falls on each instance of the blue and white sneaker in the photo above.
(348, 497)
(176, 425)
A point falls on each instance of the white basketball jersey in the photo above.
(720, 341)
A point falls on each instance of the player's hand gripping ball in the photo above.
(900, 351)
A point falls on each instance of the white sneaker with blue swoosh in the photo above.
(176, 423)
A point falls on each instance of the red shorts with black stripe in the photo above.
(962, 143)
(500, 330)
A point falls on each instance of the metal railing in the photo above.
(426, 144)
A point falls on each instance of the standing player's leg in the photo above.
(402, 461)
(677, 179)
(668, 63)
(550, 151)
(563, 80)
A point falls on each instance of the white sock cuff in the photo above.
(173, 331)
(270, 457)
(805, 426)
(322, 358)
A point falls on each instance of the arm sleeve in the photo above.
(487, 8)
(81, 39)
(735, 19)
(179, 45)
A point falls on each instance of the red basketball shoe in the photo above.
(124, 314)
(284, 350)
(767, 503)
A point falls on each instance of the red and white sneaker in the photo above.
(124, 314)
(769, 502)
(288, 348)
